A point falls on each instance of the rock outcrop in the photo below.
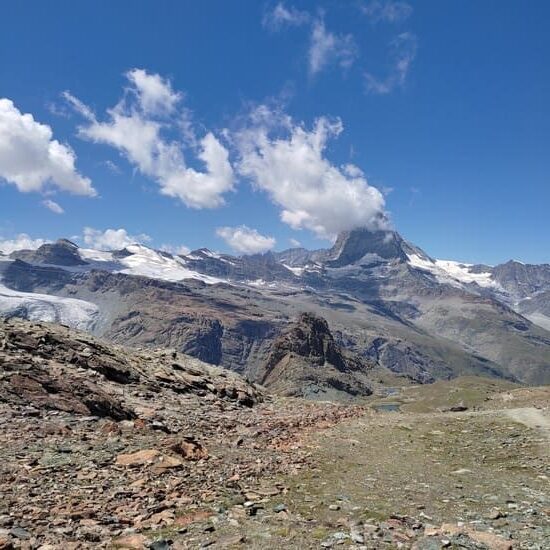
(305, 360)
(52, 367)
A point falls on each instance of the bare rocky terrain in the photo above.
(109, 447)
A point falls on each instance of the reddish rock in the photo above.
(139, 458)
(190, 449)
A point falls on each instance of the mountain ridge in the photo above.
(386, 299)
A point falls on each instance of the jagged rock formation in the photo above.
(305, 360)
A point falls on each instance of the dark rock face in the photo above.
(522, 280)
(244, 268)
(62, 252)
(305, 360)
(69, 394)
(204, 340)
(49, 385)
(311, 339)
(20, 275)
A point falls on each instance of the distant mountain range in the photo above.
(385, 303)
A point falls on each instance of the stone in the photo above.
(190, 449)
(130, 542)
(20, 533)
(166, 462)
(139, 458)
(230, 540)
(193, 517)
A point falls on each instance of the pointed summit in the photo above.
(351, 246)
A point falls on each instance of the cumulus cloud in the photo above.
(281, 15)
(32, 160)
(53, 206)
(288, 162)
(245, 240)
(403, 52)
(327, 47)
(111, 239)
(136, 127)
(155, 94)
(387, 11)
(20, 242)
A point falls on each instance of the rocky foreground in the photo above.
(105, 447)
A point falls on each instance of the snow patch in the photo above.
(296, 270)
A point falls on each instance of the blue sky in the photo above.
(434, 114)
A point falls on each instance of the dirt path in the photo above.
(532, 418)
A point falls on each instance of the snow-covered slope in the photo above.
(455, 273)
(44, 307)
(140, 260)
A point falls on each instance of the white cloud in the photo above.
(403, 52)
(327, 47)
(245, 240)
(295, 243)
(111, 239)
(134, 128)
(280, 15)
(53, 206)
(288, 162)
(78, 106)
(31, 159)
(156, 96)
(21, 242)
(178, 250)
(388, 11)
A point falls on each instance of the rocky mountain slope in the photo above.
(385, 301)
(99, 443)
(106, 447)
(49, 367)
